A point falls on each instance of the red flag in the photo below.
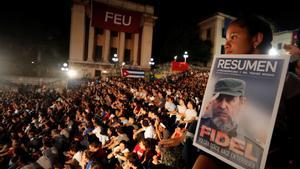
(180, 66)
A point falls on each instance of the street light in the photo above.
(185, 55)
(72, 74)
(115, 59)
(151, 63)
(175, 58)
(65, 65)
(273, 52)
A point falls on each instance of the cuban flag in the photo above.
(133, 73)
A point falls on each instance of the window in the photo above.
(127, 56)
(222, 49)
(208, 32)
(114, 34)
(127, 35)
(279, 46)
(97, 73)
(98, 53)
(98, 31)
(223, 33)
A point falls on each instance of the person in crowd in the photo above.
(116, 141)
(70, 118)
(140, 148)
(292, 50)
(169, 105)
(118, 154)
(190, 114)
(133, 162)
(161, 130)
(171, 148)
(178, 113)
(86, 160)
(95, 147)
(147, 128)
(253, 35)
(97, 165)
(74, 156)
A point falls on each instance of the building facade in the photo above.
(214, 29)
(284, 37)
(104, 29)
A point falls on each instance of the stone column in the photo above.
(218, 36)
(146, 42)
(121, 47)
(77, 33)
(91, 47)
(217, 39)
(135, 48)
(106, 46)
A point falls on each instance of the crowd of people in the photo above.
(109, 123)
(134, 123)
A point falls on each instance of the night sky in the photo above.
(284, 15)
(27, 27)
(30, 28)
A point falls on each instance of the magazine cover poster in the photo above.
(240, 107)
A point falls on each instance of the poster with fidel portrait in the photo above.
(240, 107)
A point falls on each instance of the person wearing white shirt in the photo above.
(169, 105)
(181, 108)
(148, 128)
(97, 131)
(149, 132)
(190, 114)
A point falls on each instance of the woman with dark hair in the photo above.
(253, 35)
(248, 35)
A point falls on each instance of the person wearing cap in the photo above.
(225, 106)
(222, 115)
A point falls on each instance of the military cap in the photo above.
(230, 86)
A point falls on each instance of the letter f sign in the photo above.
(108, 15)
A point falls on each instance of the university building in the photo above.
(214, 29)
(104, 29)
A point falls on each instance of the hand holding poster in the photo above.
(240, 107)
